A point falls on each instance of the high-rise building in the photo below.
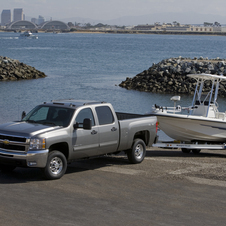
(34, 20)
(38, 21)
(18, 14)
(41, 19)
(6, 17)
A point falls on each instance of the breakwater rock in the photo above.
(14, 70)
(169, 76)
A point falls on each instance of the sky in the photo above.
(183, 11)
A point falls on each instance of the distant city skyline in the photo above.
(18, 14)
(127, 12)
(6, 16)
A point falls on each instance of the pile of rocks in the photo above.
(14, 70)
(169, 76)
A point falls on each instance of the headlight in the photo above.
(36, 144)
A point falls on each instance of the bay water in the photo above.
(90, 66)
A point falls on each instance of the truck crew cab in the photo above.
(59, 132)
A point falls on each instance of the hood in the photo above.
(25, 129)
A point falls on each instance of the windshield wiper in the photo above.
(50, 123)
(31, 121)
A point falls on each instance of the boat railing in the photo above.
(176, 109)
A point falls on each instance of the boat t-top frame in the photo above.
(200, 79)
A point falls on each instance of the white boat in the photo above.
(28, 34)
(202, 122)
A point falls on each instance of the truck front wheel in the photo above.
(138, 151)
(56, 165)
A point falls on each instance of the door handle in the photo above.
(113, 129)
(94, 132)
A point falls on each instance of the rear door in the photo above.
(108, 130)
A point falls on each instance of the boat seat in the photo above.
(206, 103)
(197, 102)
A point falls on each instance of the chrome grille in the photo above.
(12, 138)
(12, 147)
(13, 143)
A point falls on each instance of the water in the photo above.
(90, 67)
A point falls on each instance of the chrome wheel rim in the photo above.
(56, 165)
(139, 151)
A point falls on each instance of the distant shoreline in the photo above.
(153, 32)
(133, 32)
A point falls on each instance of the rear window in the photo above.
(104, 115)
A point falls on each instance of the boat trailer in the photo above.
(195, 147)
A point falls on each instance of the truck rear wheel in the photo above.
(6, 168)
(196, 151)
(185, 150)
(138, 151)
(56, 165)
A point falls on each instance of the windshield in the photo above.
(50, 115)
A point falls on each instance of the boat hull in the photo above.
(192, 128)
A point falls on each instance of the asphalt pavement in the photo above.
(167, 188)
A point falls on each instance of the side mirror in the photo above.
(76, 125)
(87, 123)
(23, 114)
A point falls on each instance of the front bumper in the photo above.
(37, 158)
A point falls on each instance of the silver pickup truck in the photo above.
(56, 133)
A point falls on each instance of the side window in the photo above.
(104, 115)
(84, 113)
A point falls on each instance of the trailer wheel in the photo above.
(6, 168)
(56, 165)
(138, 151)
(185, 150)
(196, 151)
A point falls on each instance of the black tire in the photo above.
(7, 168)
(56, 165)
(138, 151)
(196, 151)
(185, 150)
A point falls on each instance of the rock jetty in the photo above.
(14, 70)
(169, 76)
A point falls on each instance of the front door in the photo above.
(85, 142)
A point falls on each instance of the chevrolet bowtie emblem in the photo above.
(6, 142)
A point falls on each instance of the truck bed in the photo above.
(124, 116)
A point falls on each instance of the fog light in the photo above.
(32, 163)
